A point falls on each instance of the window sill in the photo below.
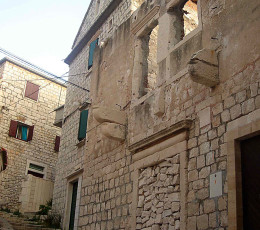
(81, 143)
(20, 139)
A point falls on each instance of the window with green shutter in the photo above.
(91, 53)
(83, 124)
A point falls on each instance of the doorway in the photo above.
(250, 168)
(73, 205)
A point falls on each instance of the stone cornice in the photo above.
(159, 136)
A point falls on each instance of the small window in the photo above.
(83, 125)
(57, 144)
(21, 131)
(91, 53)
(32, 91)
(3, 159)
(36, 170)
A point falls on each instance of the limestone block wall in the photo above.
(38, 113)
(35, 191)
(106, 186)
(120, 15)
(72, 157)
(212, 110)
(111, 184)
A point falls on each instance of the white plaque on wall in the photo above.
(216, 184)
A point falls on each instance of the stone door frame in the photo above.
(240, 129)
(77, 176)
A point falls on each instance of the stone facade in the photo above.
(148, 165)
(16, 106)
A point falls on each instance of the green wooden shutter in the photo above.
(91, 53)
(83, 125)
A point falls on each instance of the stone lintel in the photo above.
(160, 136)
(146, 22)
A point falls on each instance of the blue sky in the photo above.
(41, 31)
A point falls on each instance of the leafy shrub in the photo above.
(17, 213)
(52, 221)
(44, 209)
(6, 210)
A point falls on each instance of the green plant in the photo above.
(6, 210)
(52, 221)
(17, 213)
(44, 209)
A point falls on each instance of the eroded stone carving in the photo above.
(203, 67)
(113, 131)
(104, 114)
(159, 103)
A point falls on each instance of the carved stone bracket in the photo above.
(203, 67)
(104, 114)
(112, 122)
(113, 131)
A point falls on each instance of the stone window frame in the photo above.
(154, 150)
(176, 3)
(238, 130)
(142, 29)
(44, 172)
(72, 178)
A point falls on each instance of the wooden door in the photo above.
(73, 205)
(250, 165)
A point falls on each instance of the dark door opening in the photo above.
(73, 205)
(250, 165)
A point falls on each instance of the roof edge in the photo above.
(85, 16)
(7, 59)
(91, 32)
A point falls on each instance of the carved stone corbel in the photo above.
(104, 114)
(203, 67)
(113, 131)
(112, 122)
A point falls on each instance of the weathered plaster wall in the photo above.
(38, 113)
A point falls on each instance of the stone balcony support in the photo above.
(112, 122)
(203, 67)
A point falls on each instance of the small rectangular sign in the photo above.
(216, 184)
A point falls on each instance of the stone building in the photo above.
(165, 133)
(29, 141)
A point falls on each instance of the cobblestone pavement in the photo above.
(4, 225)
